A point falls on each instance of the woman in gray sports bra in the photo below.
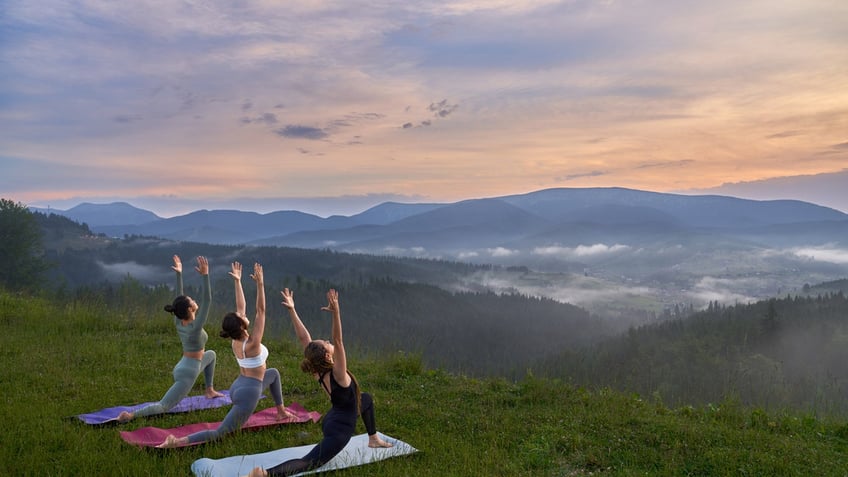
(251, 355)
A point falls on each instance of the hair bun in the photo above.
(306, 366)
(169, 308)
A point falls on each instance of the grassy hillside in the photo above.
(65, 357)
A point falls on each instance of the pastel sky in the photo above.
(187, 104)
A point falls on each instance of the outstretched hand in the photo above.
(332, 301)
(178, 265)
(288, 298)
(202, 265)
(257, 274)
(235, 270)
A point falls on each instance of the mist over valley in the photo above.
(608, 250)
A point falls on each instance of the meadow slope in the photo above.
(64, 357)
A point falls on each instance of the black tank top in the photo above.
(343, 399)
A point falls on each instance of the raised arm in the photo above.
(302, 333)
(178, 267)
(206, 300)
(259, 322)
(339, 357)
(241, 305)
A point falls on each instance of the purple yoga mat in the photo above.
(153, 436)
(187, 404)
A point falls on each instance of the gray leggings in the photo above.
(185, 374)
(245, 393)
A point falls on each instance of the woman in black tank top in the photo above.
(328, 363)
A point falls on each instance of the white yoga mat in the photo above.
(356, 452)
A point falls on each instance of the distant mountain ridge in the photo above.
(103, 215)
(550, 216)
(611, 250)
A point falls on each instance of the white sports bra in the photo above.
(255, 361)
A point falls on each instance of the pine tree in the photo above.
(20, 248)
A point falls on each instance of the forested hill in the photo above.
(60, 233)
(788, 352)
(81, 259)
(390, 304)
(477, 334)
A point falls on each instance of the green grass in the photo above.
(62, 360)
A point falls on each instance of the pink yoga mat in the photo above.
(153, 436)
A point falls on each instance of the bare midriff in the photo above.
(255, 373)
(193, 354)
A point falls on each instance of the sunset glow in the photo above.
(422, 101)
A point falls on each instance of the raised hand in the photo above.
(332, 301)
(202, 265)
(288, 298)
(235, 270)
(257, 274)
(178, 265)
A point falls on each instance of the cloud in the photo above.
(96, 84)
(501, 252)
(827, 189)
(588, 292)
(442, 108)
(265, 118)
(723, 290)
(304, 132)
(784, 134)
(127, 119)
(403, 251)
(652, 165)
(823, 254)
(580, 251)
(115, 271)
(572, 177)
(352, 119)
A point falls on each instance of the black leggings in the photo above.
(338, 427)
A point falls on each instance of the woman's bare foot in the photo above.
(284, 413)
(125, 416)
(257, 472)
(172, 441)
(211, 393)
(375, 441)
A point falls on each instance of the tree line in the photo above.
(780, 353)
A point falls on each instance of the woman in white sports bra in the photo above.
(251, 355)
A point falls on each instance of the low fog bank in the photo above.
(636, 284)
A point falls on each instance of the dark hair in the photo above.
(180, 307)
(232, 326)
(315, 362)
(315, 359)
